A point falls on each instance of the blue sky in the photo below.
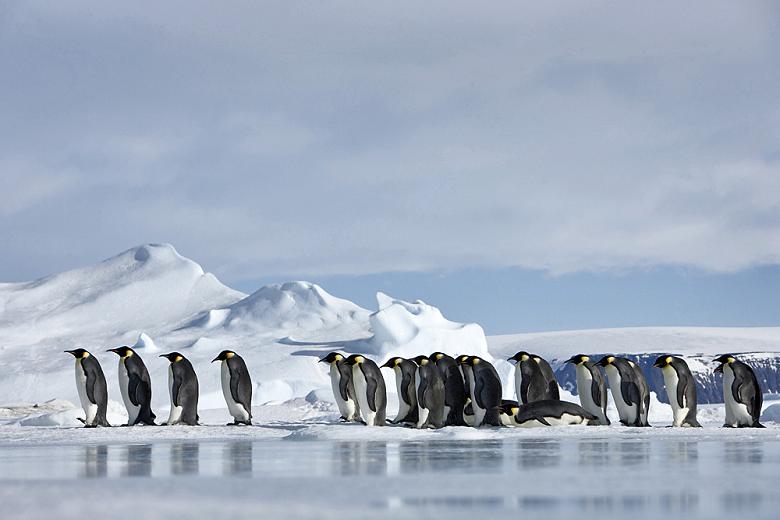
(555, 149)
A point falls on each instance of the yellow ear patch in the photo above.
(230, 355)
(178, 358)
(439, 356)
(129, 353)
(731, 360)
(476, 361)
(424, 361)
(524, 357)
(359, 359)
(86, 355)
(669, 360)
(338, 357)
(585, 358)
(610, 359)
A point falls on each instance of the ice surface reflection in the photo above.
(594, 477)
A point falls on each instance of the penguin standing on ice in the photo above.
(135, 386)
(429, 383)
(550, 413)
(531, 383)
(236, 387)
(629, 390)
(343, 389)
(183, 389)
(741, 393)
(485, 391)
(91, 385)
(680, 389)
(455, 393)
(465, 372)
(405, 377)
(369, 389)
(591, 387)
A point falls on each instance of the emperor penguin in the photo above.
(236, 387)
(551, 413)
(741, 393)
(369, 389)
(343, 389)
(465, 372)
(91, 385)
(135, 385)
(680, 389)
(485, 391)
(429, 384)
(183, 389)
(591, 386)
(455, 392)
(531, 383)
(405, 377)
(629, 390)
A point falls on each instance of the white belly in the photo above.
(403, 406)
(237, 410)
(584, 386)
(361, 388)
(124, 381)
(479, 413)
(422, 412)
(736, 413)
(335, 379)
(519, 383)
(627, 413)
(175, 416)
(671, 380)
(90, 408)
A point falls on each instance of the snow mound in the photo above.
(139, 289)
(145, 343)
(292, 305)
(771, 413)
(408, 329)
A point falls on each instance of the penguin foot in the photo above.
(343, 419)
(90, 425)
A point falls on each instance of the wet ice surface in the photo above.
(246, 472)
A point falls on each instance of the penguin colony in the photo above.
(434, 391)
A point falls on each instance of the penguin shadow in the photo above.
(237, 457)
(95, 461)
(185, 458)
(633, 452)
(352, 458)
(743, 452)
(593, 453)
(683, 451)
(137, 460)
(449, 456)
(538, 453)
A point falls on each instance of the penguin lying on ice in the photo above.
(549, 413)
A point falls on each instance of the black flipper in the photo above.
(371, 386)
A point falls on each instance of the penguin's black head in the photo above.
(123, 351)
(224, 356)
(421, 360)
(463, 359)
(578, 359)
(723, 360)
(606, 360)
(79, 353)
(663, 361)
(510, 408)
(392, 362)
(355, 359)
(520, 356)
(173, 357)
(332, 358)
(475, 360)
